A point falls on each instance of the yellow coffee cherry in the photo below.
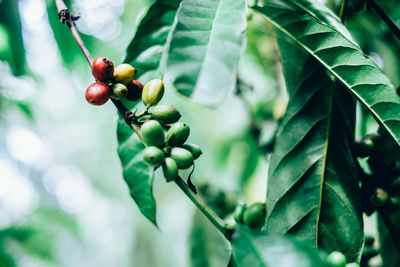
(153, 91)
(124, 73)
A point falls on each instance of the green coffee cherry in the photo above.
(153, 134)
(153, 156)
(379, 198)
(238, 214)
(255, 215)
(124, 73)
(352, 264)
(183, 158)
(336, 259)
(166, 113)
(153, 91)
(178, 134)
(119, 91)
(194, 149)
(170, 169)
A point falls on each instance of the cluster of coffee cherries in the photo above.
(253, 216)
(118, 82)
(167, 150)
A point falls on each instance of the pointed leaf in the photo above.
(259, 249)
(312, 190)
(137, 174)
(205, 49)
(340, 56)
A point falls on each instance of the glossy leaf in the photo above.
(208, 246)
(205, 49)
(313, 191)
(259, 249)
(137, 174)
(148, 50)
(341, 57)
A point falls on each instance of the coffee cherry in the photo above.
(194, 149)
(178, 134)
(170, 169)
(119, 91)
(153, 156)
(124, 73)
(336, 259)
(379, 198)
(255, 215)
(135, 89)
(183, 158)
(98, 93)
(153, 134)
(153, 91)
(238, 214)
(102, 69)
(166, 113)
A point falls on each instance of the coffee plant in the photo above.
(325, 175)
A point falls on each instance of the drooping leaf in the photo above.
(147, 53)
(312, 190)
(208, 246)
(149, 47)
(137, 174)
(260, 249)
(205, 49)
(341, 57)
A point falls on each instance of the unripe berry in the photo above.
(336, 259)
(194, 149)
(178, 134)
(238, 214)
(102, 69)
(124, 73)
(153, 134)
(166, 113)
(119, 91)
(153, 91)
(170, 169)
(379, 198)
(153, 156)
(98, 93)
(183, 158)
(255, 215)
(135, 89)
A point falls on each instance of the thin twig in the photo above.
(393, 27)
(342, 10)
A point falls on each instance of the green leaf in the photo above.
(341, 57)
(313, 191)
(148, 50)
(206, 46)
(259, 249)
(208, 246)
(137, 174)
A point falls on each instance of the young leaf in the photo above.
(205, 49)
(208, 246)
(312, 190)
(255, 248)
(137, 174)
(340, 56)
(148, 50)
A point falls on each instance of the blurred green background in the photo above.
(63, 201)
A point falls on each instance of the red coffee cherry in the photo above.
(98, 93)
(135, 89)
(102, 69)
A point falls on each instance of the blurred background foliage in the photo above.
(63, 201)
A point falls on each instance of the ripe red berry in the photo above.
(135, 89)
(98, 93)
(102, 69)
